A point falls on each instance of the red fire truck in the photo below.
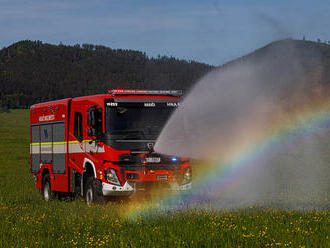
(102, 145)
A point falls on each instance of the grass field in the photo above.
(27, 221)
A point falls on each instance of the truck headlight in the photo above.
(111, 176)
(187, 176)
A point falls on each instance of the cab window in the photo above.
(78, 126)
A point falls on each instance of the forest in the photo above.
(32, 72)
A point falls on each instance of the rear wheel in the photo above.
(46, 192)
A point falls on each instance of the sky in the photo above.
(209, 31)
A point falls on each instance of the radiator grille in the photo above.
(163, 167)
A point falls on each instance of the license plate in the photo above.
(162, 177)
(153, 160)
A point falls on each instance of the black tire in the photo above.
(93, 192)
(46, 192)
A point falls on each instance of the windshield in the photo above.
(137, 121)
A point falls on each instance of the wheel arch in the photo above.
(88, 165)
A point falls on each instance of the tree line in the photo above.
(32, 72)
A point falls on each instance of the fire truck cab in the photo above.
(102, 145)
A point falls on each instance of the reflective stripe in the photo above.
(76, 148)
(34, 149)
(60, 147)
(49, 143)
(93, 147)
(59, 142)
(85, 147)
(48, 149)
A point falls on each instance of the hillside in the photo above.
(291, 62)
(32, 72)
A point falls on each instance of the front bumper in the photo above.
(113, 190)
(130, 187)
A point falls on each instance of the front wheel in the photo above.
(93, 193)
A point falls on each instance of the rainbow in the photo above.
(304, 123)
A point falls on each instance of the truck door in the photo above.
(76, 139)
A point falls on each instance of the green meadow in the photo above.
(27, 221)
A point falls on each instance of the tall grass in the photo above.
(27, 221)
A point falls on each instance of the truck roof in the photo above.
(119, 93)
